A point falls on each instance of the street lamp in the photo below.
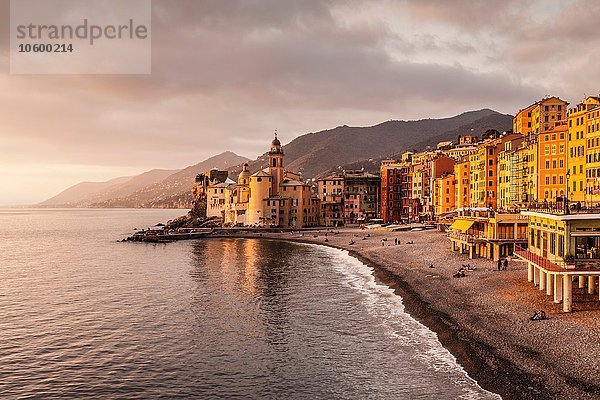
(567, 212)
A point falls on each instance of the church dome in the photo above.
(245, 174)
(275, 142)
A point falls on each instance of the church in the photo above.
(272, 196)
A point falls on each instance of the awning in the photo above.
(462, 225)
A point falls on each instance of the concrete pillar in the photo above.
(549, 286)
(581, 282)
(471, 252)
(591, 284)
(558, 288)
(453, 245)
(496, 251)
(567, 294)
(536, 276)
(460, 249)
(542, 280)
(529, 272)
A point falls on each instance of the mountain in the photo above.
(319, 153)
(79, 192)
(313, 154)
(500, 122)
(85, 194)
(175, 190)
(154, 188)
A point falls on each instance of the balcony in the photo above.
(557, 265)
(559, 209)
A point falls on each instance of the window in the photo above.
(561, 246)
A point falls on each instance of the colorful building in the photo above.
(462, 187)
(330, 191)
(576, 143)
(445, 191)
(592, 167)
(552, 163)
(361, 196)
(481, 232)
(562, 249)
(396, 190)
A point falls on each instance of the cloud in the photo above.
(227, 73)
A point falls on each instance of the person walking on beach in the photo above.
(505, 264)
(499, 264)
(382, 242)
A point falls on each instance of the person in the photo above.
(505, 264)
(382, 242)
(431, 265)
(499, 264)
(538, 316)
(396, 241)
(535, 316)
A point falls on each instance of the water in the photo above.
(82, 316)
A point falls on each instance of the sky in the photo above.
(227, 74)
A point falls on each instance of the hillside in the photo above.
(500, 122)
(175, 190)
(79, 192)
(319, 153)
(313, 154)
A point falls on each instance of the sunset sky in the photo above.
(226, 74)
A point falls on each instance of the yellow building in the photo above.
(484, 171)
(562, 248)
(236, 199)
(576, 143)
(510, 174)
(593, 158)
(461, 187)
(260, 189)
(481, 232)
(278, 197)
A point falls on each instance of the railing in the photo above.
(538, 260)
(555, 265)
(463, 236)
(559, 208)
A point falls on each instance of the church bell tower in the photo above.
(276, 164)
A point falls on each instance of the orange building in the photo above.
(444, 189)
(552, 146)
(461, 187)
(522, 121)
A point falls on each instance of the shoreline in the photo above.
(513, 373)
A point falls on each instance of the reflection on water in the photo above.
(84, 316)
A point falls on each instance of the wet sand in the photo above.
(483, 319)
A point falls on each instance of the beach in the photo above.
(483, 318)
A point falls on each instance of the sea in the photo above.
(85, 316)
